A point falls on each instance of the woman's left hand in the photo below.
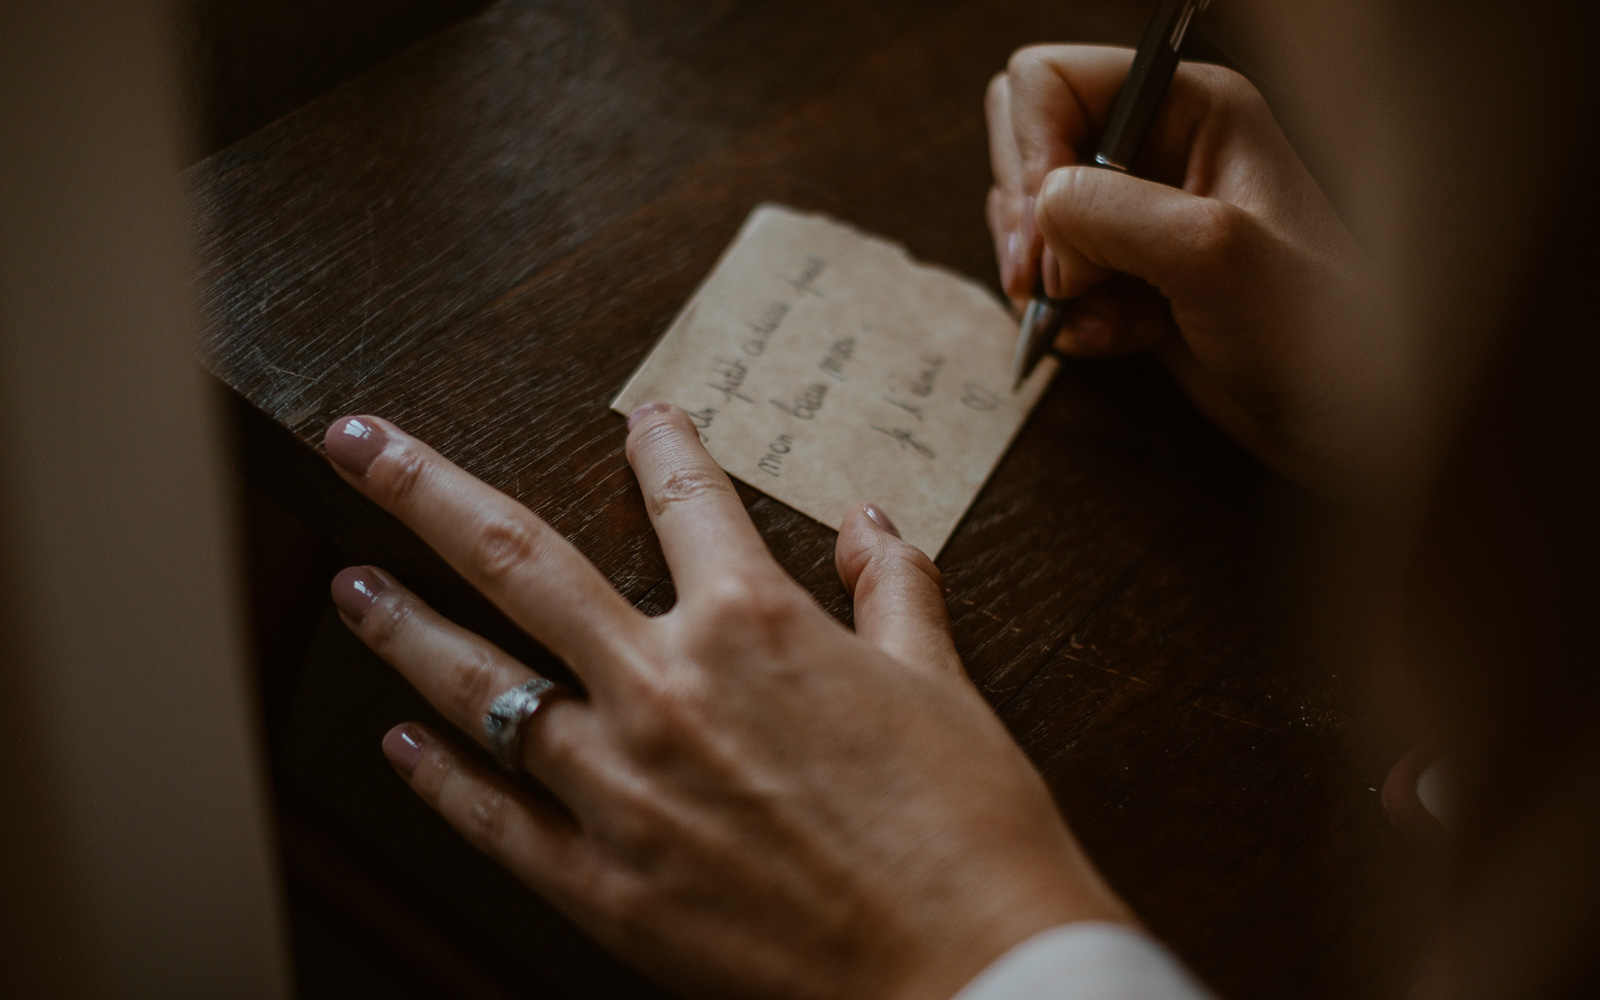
(752, 799)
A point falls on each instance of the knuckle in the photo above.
(394, 478)
(485, 819)
(1028, 60)
(430, 777)
(648, 688)
(919, 562)
(1218, 233)
(892, 561)
(851, 557)
(1069, 191)
(386, 622)
(469, 682)
(556, 738)
(1229, 87)
(686, 485)
(501, 546)
(743, 596)
(656, 431)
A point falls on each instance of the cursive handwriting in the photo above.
(907, 440)
(911, 408)
(978, 398)
(702, 418)
(838, 353)
(772, 462)
(765, 327)
(806, 403)
(921, 386)
(733, 373)
(806, 284)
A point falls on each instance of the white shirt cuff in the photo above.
(1085, 961)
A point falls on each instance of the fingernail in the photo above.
(645, 411)
(355, 590)
(1051, 273)
(1008, 261)
(1029, 231)
(354, 442)
(881, 519)
(403, 746)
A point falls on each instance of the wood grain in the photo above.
(480, 238)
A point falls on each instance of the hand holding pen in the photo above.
(1138, 101)
(1222, 257)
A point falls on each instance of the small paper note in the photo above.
(826, 368)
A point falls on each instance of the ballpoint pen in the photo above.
(1131, 116)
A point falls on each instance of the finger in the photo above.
(517, 561)
(1062, 95)
(459, 672)
(534, 840)
(1054, 92)
(1003, 230)
(899, 596)
(1122, 316)
(1005, 159)
(1007, 199)
(1100, 222)
(703, 526)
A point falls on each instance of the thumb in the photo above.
(1098, 222)
(898, 593)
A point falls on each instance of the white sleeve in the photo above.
(1085, 961)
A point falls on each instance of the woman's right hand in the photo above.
(1220, 254)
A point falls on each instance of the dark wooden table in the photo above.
(481, 237)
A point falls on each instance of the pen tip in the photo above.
(1019, 364)
(1040, 323)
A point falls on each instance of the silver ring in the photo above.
(503, 724)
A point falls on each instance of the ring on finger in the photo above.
(509, 712)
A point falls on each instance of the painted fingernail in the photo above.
(403, 746)
(355, 590)
(1008, 261)
(354, 443)
(645, 411)
(878, 517)
(1051, 273)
